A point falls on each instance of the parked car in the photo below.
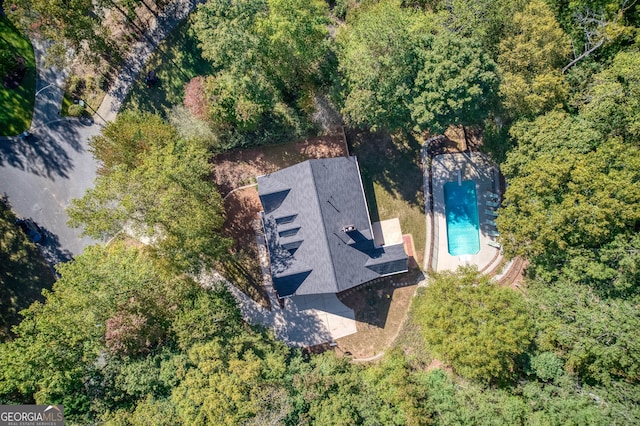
(30, 228)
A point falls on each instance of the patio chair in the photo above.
(491, 213)
(493, 204)
(492, 195)
(490, 222)
(494, 244)
(493, 233)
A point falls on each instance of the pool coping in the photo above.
(484, 173)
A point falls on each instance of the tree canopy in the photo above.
(531, 59)
(127, 335)
(472, 323)
(61, 340)
(122, 144)
(573, 195)
(144, 200)
(267, 54)
(456, 85)
(378, 57)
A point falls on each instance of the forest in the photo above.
(130, 335)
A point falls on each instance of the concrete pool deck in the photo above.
(478, 168)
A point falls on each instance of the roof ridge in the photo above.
(364, 197)
(324, 228)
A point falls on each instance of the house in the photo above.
(318, 231)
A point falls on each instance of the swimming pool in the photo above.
(463, 229)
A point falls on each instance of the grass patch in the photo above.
(16, 105)
(23, 275)
(392, 181)
(380, 309)
(66, 103)
(176, 61)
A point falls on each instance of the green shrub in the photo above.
(75, 110)
(75, 85)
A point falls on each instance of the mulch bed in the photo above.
(237, 168)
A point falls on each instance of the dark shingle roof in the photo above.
(318, 229)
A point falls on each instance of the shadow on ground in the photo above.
(380, 311)
(51, 248)
(371, 302)
(176, 61)
(24, 273)
(43, 154)
(393, 163)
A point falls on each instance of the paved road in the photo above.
(42, 174)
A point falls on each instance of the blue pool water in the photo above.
(461, 206)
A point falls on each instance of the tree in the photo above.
(60, 342)
(268, 55)
(562, 205)
(473, 324)
(595, 24)
(456, 85)
(296, 38)
(554, 133)
(281, 40)
(328, 390)
(72, 25)
(400, 389)
(595, 336)
(227, 33)
(485, 21)
(231, 381)
(114, 333)
(612, 102)
(167, 198)
(239, 102)
(378, 55)
(123, 143)
(151, 411)
(531, 60)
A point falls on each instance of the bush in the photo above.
(75, 110)
(75, 85)
(547, 366)
(194, 98)
(7, 62)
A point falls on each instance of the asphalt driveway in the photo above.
(42, 174)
